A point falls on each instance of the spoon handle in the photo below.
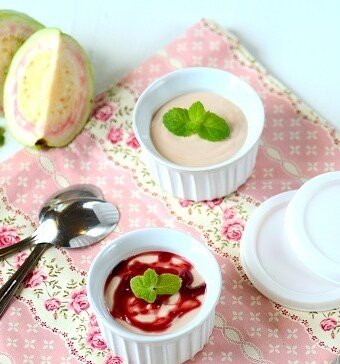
(9, 289)
(16, 247)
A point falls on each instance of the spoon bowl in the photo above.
(74, 192)
(71, 224)
(77, 223)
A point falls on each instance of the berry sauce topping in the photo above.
(160, 315)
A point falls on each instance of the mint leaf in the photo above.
(176, 121)
(150, 277)
(213, 128)
(196, 112)
(150, 284)
(144, 286)
(168, 284)
(146, 293)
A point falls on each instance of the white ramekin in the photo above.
(171, 348)
(199, 183)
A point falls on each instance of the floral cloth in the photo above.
(51, 321)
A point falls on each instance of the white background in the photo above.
(298, 41)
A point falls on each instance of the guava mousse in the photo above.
(154, 292)
(198, 129)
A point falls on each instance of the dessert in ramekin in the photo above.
(200, 180)
(174, 345)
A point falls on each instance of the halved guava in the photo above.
(48, 90)
(15, 28)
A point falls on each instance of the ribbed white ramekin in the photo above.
(200, 183)
(172, 348)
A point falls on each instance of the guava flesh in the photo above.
(49, 90)
(15, 28)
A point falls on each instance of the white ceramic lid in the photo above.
(274, 269)
(312, 224)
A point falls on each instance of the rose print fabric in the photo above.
(51, 321)
(8, 236)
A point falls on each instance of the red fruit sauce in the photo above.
(126, 306)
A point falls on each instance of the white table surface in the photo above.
(298, 41)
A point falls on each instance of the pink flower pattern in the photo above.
(233, 230)
(229, 213)
(112, 359)
(115, 135)
(52, 304)
(78, 302)
(186, 203)
(35, 278)
(93, 323)
(95, 340)
(19, 259)
(104, 112)
(8, 236)
(212, 203)
(132, 141)
(328, 324)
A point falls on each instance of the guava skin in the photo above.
(15, 28)
(48, 102)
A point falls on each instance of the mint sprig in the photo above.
(196, 120)
(150, 284)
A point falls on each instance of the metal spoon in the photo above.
(73, 192)
(71, 224)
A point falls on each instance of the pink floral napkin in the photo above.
(51, 322)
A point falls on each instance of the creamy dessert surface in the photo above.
(193, 151)
(177, 324)
(152, 313)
